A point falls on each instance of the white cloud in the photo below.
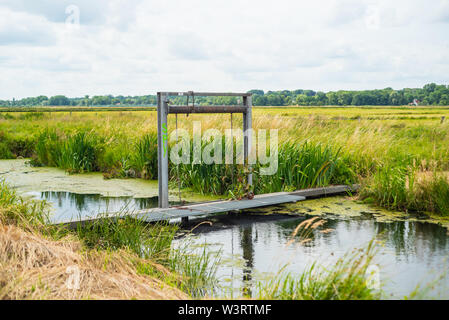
(24, 29)
(140, 47)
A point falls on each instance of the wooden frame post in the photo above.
(247, 130)
(162, 149)
(163, 109)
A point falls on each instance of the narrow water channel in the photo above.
(411, 253)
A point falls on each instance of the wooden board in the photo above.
(212, 207)
(204, 209)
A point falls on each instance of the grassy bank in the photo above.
(119, 259)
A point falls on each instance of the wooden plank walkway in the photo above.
(212, 207)
(203, 209)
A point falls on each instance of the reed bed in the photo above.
(407, 189)
(318, 147)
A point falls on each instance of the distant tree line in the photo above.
(61, 100)
(430, 94)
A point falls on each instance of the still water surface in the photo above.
(410, 253)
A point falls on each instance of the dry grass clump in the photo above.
(32, 267)
(304, 231)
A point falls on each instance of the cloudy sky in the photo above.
(134, 47)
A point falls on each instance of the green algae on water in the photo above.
(24, 178)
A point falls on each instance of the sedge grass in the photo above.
(406, 189)
(345, 280)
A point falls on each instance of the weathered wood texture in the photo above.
(212, 207)
(207, 109)
(326, 191)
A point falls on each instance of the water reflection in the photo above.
(68, 205)
(246, 244)
(407, 237)
(413, 238)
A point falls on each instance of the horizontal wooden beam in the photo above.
(207, 109)
(205, 208)
(206, 94)
(326, 191)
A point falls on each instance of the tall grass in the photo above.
(305, 165)
(300, 165)
(195, 272)
(79, 153)
(48, 148)
(433, 195)
(76, 153)
(85, 151)
(197, 269)
(407, 189)
(24, 213)
(149, 241)
(5, 152)
(388, 187)
(15, 145)
(205, 178)
(34, 258)
(144, 158)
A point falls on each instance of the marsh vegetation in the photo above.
(400, 156)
